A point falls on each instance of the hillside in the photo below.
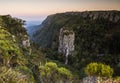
(97, 37)
(13, 59)
(18, 55)
(22, 61)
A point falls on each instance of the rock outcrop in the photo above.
(66, 42)
(91, 80)
(26, 43)
(99, 80)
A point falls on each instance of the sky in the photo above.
(39, 9)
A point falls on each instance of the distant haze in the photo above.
(32, 23)
(39, 9)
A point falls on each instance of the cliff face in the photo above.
(66, 42)
(96, 37)
(49, 29)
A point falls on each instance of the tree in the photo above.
(98, 69)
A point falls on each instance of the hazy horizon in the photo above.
(40, 9)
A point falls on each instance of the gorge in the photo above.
(96, 37)
(70, 47)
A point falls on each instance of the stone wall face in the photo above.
(92, 79)
(66, 42)
(26, 43)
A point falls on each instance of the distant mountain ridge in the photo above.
(32, 23)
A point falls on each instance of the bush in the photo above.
(117, 79)
(51, 73)
(64, 72)
(98, 69)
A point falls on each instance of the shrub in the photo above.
(51, 73)
(64, 72)
(98, 69)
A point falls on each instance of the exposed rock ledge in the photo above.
(93, 79)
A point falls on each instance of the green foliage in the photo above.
(14, 58)
(98, 69)
(26, 71)
(65, 73)
(51, 65)
(92, 69)
(51, 73)
(51, 30)
(14, 26)
(8, 75)
(0, 21)
(10, 52)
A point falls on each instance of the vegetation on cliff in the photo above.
(97, 38)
